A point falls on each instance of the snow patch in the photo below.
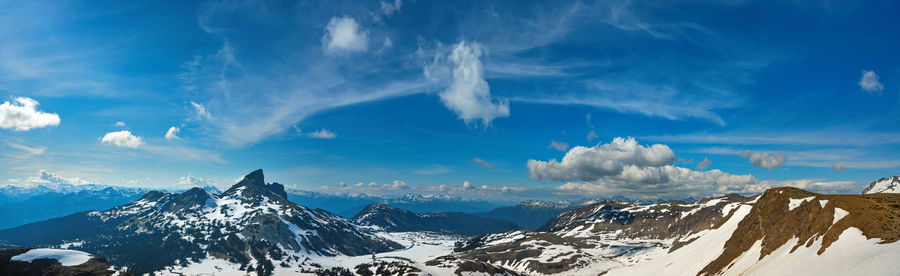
(839, 214)
(796, 202)
(64, 256)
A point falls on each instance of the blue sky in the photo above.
(425, 96)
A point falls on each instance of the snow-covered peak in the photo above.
(544, 204)
(424, 198)
(884, 185)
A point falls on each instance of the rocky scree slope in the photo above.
(589, 240)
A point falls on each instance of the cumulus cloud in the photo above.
(765, 159)
(704, 164)
(466, 185)
(869, 82)
(602, 160)
(200, 111)
(120, 124)
(46, 178)
(344, 35)
(172, 134)
(122, 139)
(468, 94)
(193, 181)
(21, 114)
(482, 163)
(625, 166)
(323, 134)
(560, 146)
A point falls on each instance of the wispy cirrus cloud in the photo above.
(482, 163)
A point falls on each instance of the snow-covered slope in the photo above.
(784, 231)
(252, 224)
(884, 185)
(63, 256)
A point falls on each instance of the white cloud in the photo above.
(434, 169)
(193, 181)
(200, 111)
(172, 134)
(468, 94)
(765, 159)
(344, 35)
(120, 124)
(21, 114)
(602, 160)
(122, 138)
(466, 185)
(47, 178)
(323, 134)
(869, 82)
(704, 164)
(560, 146)
(389, 8)
(482, 163)
(397, 185)
(626, 167)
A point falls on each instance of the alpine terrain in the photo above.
(252, 224)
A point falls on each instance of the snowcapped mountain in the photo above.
(884, 185)
(47, 195)
(530, 214)
(438, 203)
(398, 220)
(251, 224)
(784, 231)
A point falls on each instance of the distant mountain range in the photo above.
(20, 205)
(394, 219)
(253, 228)
(529, 214)
(350, 204)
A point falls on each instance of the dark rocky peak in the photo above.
(255, 185)
(379, 207)
(189, 199)
(153, 196)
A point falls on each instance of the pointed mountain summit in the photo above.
(251, 224)
(255, 182)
